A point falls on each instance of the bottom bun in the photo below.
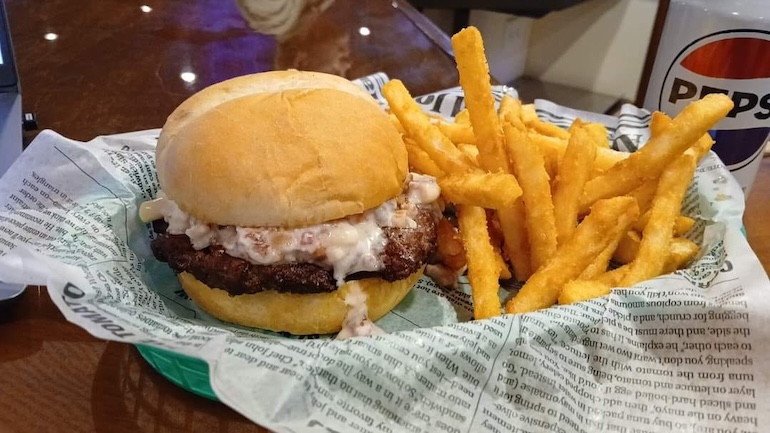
(298, 314)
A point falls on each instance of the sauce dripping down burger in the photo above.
(280, 189)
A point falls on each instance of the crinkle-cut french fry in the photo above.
(516, 239)
(487, 190)
(483, 271)
(475, 81)
(654, 249)
(598, 134)
(582, 290)
(427, 135)
(572, 177)
(682, 224)
(682, 252)
(599, 265)
(457, 133)
(462, 117)
(649, 161)
(590, 238)
(420, 161)
(529, 167)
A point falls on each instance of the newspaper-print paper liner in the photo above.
(683, 352)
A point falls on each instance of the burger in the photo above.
(286, 204)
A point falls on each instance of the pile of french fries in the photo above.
(547, 206)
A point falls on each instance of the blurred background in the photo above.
(582, 53)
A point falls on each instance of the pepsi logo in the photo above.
(732, 62)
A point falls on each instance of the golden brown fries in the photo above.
(547, 129)
(553, 151)
(396, 123)
(582, 290)
(598, 133)
(599, 265)
(516, 239)
(612, 278)
(701, 147)
(463, 118)
(658, 233)
(471, 150)
(644, 194)
(648, 162)
(457, 133)
(681, 253)
(505, 273)
(427, 136)
(474, 79)
(509, 107)
(487, 190)
(450, 245)
(512, 223)
(551, 206)
(572, 177)
(529, 167)
(661, 121)
(483, 268)
(658, 122)
(528, 113)
(627, 247)
(682, 224)
(420, 161)
(590, 238)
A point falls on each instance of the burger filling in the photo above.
(391, 241)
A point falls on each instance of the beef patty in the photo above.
(405, 252)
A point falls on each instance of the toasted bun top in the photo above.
(282, 149)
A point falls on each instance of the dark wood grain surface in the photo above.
(114, 68)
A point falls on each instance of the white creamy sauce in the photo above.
(346, 246)
(357, 323)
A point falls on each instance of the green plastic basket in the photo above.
(191, 374)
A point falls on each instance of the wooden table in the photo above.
(115, 68)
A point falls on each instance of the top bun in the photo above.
(281, 149)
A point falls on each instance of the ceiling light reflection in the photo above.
(51, 36)
(188, 77)
(364, 31)
(145, 8)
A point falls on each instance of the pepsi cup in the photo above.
(717, 46)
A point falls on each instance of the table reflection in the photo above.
(128, 392)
